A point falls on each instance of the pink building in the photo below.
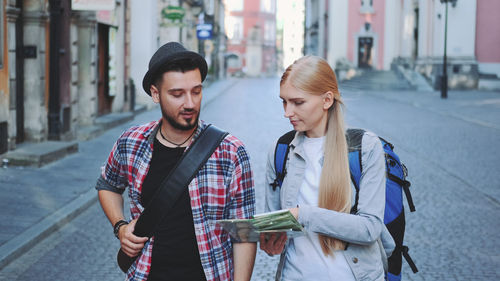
(382, 34)
(352, 30)
(367, 26)
(251, 30)
(487, 47)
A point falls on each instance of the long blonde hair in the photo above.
(314, 75)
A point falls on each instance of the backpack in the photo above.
(396, 183)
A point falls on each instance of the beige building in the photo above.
(63, 65)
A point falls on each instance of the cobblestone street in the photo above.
(453, 235)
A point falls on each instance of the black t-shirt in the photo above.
(175, 250)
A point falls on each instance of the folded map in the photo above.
(249, 230)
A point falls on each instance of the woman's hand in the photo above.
(295, 212)
(273, 243)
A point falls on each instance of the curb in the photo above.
(22, 243)
(30, 237)
(40, 154)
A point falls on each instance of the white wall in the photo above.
(293, 31)
(407, 28)
(119, 53)
(392, 33)
(143, 43)
(461, 28)
(337, 30)
(322, 27)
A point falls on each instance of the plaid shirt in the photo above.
(222, 189)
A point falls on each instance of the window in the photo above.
(267, 6)
(234, 5)
(366, 7)
(368, 3)
(269, 32)
(234, 28)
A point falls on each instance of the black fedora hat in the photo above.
(167, 54)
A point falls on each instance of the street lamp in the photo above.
(444, 78)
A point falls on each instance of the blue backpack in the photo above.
(396, 183)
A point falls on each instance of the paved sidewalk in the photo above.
(478, 107)
(38, 201)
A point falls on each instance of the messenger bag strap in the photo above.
(181, 175)
(172, 186)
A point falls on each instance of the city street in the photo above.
(449, 147)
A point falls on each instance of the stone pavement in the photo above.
(436, 257)
(36, 205)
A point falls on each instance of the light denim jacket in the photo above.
(364, 231)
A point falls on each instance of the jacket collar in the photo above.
(297, 146)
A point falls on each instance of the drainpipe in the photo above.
(54, 89)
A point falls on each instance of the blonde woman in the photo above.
(317, 186)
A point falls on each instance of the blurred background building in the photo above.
(251, 34)
(66, 64)
(409, 36)
(290, 23)
(63, 65)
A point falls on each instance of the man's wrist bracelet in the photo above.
(117, 226)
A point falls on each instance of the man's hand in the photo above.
(273, 243)
(131, 244)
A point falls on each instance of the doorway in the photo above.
(365, 45)
(104, 100)
(415, 35)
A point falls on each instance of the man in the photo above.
(187, 244)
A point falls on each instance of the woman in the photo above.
(317, 186)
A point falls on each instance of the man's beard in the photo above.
(179, 126)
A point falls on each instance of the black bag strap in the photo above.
(408, 259)
(172, 186)
(181, 175)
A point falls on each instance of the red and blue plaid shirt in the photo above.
(222, 189)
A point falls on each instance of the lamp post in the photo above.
(444, 78)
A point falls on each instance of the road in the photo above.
(449, 147)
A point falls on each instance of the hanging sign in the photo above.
(204, 31)
(173, 13)
(93, 5)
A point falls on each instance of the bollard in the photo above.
(5, 163)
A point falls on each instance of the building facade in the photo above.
(65, 63)
(62, 66)
(375, 34)
(292, 29)
(251, 32)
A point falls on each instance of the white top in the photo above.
(305, 259)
